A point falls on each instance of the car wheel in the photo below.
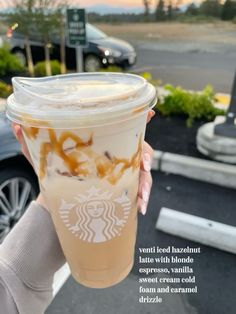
(21, 56)
(92, 63)
(17, 190)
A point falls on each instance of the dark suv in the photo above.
(18, 182)
(100, 52)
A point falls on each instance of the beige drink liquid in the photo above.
(89, 167)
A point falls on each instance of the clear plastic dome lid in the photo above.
(78, 99)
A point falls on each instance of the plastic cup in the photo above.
(85, 133)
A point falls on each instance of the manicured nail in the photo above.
(143, 208)
(147, 162)
(153, 113)
(145, 197)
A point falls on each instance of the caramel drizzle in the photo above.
(31, 132)
(56, 146)
(109, 167)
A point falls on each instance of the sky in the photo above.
(123, 3)
(116, 3)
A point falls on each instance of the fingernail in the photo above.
(147, 162)
(143, 208)
(145, 198)
(145, 195)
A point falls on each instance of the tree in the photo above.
(43, 22)
(59, 28)
(23, 16)
(61, 19)
(45, 18)
(50, 23)
(170, 11)
(59, 8)
(147, 4)
(192, 9)
(228, 10)
(211, 8)
(160, 11)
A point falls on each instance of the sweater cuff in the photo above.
(32, 249)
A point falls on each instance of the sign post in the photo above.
(76, 30)
(228, 128)
(79, 59)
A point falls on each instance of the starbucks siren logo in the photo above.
(99, 218)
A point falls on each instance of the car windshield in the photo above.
(94, 33)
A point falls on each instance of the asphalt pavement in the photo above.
(187, 66)
(215, 270)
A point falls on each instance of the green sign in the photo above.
(76, 27)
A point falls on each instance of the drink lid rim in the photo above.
(145, 101)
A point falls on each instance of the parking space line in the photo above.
(60, 278)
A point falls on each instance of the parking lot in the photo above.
(189, 69)
(191, 56)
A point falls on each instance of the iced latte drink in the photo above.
(85, 134)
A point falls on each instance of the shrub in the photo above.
(146, 75)
(193, 105)
(234, 20)
(111, 68)
(40, 68)
(9, 63)
(149, 78)
(197, 19)
(5, 90)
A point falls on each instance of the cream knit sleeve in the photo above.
(29, 257)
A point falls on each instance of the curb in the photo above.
(197, 229)
(195, 168)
